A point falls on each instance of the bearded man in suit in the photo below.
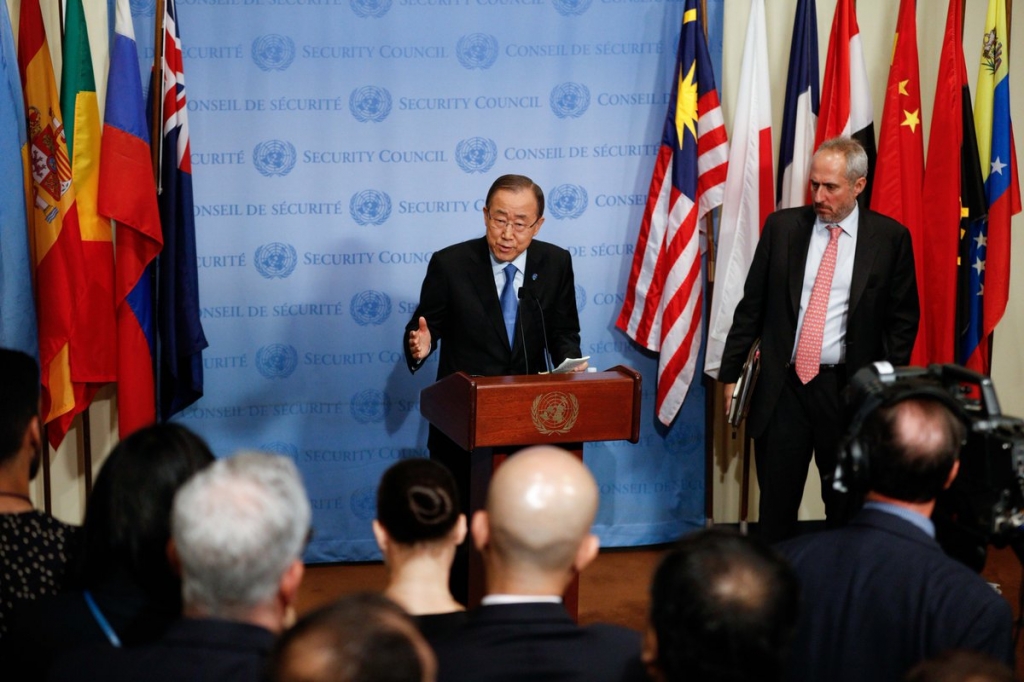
(865, 310)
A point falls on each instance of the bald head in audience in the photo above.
(535, 531)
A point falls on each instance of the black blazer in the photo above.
(882, 317)
(880, 595)
(460, 303)
(514, 642)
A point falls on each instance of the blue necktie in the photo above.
(510, 302)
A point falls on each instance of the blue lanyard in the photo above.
(101, 620)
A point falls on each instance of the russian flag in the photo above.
(127, 194)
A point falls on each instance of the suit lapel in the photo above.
(482, 277)
(799, 242)
(863, 261)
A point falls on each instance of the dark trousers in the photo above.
(808, 420)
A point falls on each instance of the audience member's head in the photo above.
(360, 638)
(417, 502)
(960, 666)
(128, 515)
(535, 532)
(912, 448)
(239, 528)
(20, 431)
(418, 528)
(723, 609)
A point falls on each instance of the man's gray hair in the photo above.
(237, 527)
(852, 151)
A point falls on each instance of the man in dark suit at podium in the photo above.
(488, 302)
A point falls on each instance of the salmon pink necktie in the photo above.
(808, 349)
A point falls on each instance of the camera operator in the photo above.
(879, 595)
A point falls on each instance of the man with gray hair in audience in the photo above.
(238, 529)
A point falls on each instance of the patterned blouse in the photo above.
(34, 553)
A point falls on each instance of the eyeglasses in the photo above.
(500, 223)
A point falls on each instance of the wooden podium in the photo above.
(492, 417)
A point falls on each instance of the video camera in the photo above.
(985, 504)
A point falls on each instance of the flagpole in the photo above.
(156, 146)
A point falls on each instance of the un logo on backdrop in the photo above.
(273, 52)
(277, 361)
(370, 406)
(278, 447)
(275, 260)
(477, 51)
(144, 8)
(363, 503)
(476, 154)
(274, 157)
(370, 207)
(370, 8)
(581, 298)
(568, 8)
(567, 201)
(370, 307)
(570, 100)
(370, 103)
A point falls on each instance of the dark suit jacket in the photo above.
(510, 643)
(196, 649)
(880, 595)
(460, 303)
(882, 317)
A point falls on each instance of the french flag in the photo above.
(127, 194)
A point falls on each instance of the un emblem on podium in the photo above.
(273, 52)
(477, 51)
(370, 207)
(570, 100)
(274, 157)
(369, 104)
(476, 154)
(567, 201)
(277, 361)
(275, 260)
(555, 412)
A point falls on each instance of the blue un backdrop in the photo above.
(336, 144)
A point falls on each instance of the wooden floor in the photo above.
(613, 589)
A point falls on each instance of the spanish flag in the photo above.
(54, 237)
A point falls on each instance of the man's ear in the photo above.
(481, 529)
(649, 654)
(952, 474)
(33, 437)
(381, 536)
(587, 552)
(172, 556)
(291, 580)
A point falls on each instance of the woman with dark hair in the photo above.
(418, 527)
(124, 590)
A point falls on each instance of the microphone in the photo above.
(543, 327)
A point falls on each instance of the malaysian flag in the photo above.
(180, 337)
(662, 310)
